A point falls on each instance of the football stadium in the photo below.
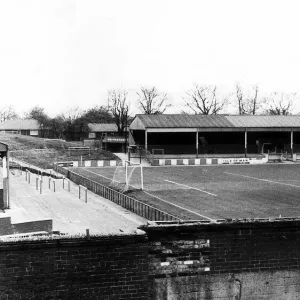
(200, 207)
(205, 167)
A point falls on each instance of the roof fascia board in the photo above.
(226, 129)
(273, 129)
(171, 129)
(202, 129)
(222, 129)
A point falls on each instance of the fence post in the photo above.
(29, 177)
(37, 183)
(85, 195)
(41, 184)
(53, 186)
(69, 185)
(49, 180)
(64, 182)
(26, 174)
(142, 178)
(79, 191)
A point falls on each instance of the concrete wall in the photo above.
(206, 161)
(7, 228)
(33, 226)
(2, 206)
(89, 163)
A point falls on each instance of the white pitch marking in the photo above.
(261, 179)
(164, 200)
(191, 188)
(98, 174)
(180, 207)
(107, 177)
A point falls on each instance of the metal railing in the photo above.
(145, 154)
(144, 210)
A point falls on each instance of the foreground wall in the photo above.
(258, 260)
(232, 260)
(100, 268)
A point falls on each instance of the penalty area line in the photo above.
(191, 188)
(212, 220)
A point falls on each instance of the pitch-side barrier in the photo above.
(144, 210)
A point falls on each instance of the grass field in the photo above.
(217, 192)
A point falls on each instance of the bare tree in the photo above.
(280, 103)
(72, 114)
(73, 125)
(151, 102)
(248, 104)
(58, 126)
(203, 100)
(119, 108)
(7, 113)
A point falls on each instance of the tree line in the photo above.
(200, 99)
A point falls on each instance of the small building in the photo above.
(25, 127)
(219, 134)
(107, 136)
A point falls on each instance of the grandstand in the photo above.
(216, 134)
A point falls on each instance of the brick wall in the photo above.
(255, 260)
(112, 267)
(238, 260)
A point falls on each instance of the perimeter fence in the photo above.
(144, 210)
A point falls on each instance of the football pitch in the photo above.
(216, 192)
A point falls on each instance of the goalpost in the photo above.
(128, 176)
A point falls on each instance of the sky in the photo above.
(62, 54)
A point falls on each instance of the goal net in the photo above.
(128, 176)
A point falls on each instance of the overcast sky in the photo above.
(60, 54)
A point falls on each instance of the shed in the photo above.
(107, 135)
(24, 127)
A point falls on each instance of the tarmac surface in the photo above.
(70, 214)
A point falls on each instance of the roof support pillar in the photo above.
(245, 142)
(146, 139)
(197, 143)
(292, 142)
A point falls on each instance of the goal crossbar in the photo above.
(128, 164)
